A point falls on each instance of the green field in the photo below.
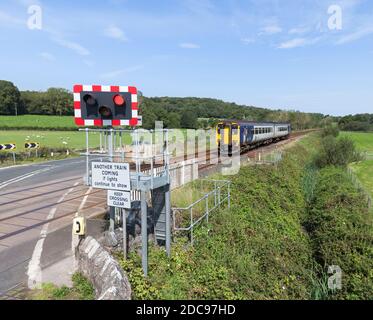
(37, 122)
(363, 169)
(51, 139)
(363, 140)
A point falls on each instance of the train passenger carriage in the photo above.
(245, 135)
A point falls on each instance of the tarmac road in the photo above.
(37, 205)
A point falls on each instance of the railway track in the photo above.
(81, 190)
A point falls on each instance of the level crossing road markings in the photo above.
(34, 271)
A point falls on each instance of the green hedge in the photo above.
(340, 225)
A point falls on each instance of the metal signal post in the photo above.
(108, 106)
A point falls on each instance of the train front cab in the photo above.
(228, 136)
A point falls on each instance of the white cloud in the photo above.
(188, 45)
(247, 40)
(76, 47)
(363, 32)
(47, 56)
(294, 43)
(298, 42)
(300, 30)
(116, 33)
(120, 72)
(270, 29)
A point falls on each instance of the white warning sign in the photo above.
(111, 176)
(119, 199)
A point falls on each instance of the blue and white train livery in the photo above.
(247, 135)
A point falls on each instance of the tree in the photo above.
(59, 102)
(10, 99)
(188, 120)
(172, 120)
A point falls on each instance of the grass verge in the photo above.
(82, 290)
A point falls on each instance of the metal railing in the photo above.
(209, 202)
(272, 157)
(150, 163)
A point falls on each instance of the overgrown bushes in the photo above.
(330, 131)
(287, 224)
(340, 227)
(256, 250)
(335, 151)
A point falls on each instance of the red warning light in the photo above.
(119, 100)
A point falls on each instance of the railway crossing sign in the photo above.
(32, 145)
(111, 176)
(7, 146)
(119, 199)
(96, 105)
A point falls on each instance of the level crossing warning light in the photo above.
(96, 105)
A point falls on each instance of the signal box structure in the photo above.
(96, 105)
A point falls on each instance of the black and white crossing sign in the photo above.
(8, 146)
(32, 145)
(119, 199)
(111, 176)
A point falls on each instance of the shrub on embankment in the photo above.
(256, 250)
(287, 224)
(336, 152)
(340, 226)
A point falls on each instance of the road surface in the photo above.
(37, 205)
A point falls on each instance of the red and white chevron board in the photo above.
(78, 88)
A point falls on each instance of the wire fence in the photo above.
(368, 155)
(357, 183)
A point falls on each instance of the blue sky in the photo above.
(267, 53)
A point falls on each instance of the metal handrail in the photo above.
(218, 201)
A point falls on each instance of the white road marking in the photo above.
(32, 173)
(34, 271)
(23, 177)
(83, 201)
(74, 238)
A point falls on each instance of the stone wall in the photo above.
(107, 277)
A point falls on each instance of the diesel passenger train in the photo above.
(245, 135)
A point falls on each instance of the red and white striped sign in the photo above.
(78, 88)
